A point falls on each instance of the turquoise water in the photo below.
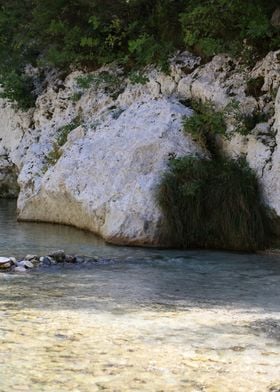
(149, 320)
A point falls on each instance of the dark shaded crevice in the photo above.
(9, 188)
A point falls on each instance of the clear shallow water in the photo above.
(152, 321)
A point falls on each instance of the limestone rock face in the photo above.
(8, 178)
(271, 172)
(106, 180)
(223, 81)
(260, 146)
(93, 156)
(12, 128)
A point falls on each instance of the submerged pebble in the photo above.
(28, 264)
(20, 269)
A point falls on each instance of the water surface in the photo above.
(153, 320)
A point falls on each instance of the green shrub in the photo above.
(61, 138)
(248, 122)
(245, 123)
(53, 156)
(86, 81)
(76, 96)
(110, 82)
(18, 89)
(254, 87)
(145, 49)
(86, 34)
(239, 27)
(212, 204)
(135, 77)
(205, 124)
(63, 132)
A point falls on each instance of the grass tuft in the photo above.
(213, 204)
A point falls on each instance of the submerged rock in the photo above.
(28, 264)
(20, 269)
(47, 261)
(25, 263)
(79, 259)
(70, 259)
(58, 255)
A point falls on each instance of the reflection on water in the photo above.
(21, 238)
(152, 321)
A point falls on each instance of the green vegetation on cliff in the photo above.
(89, 33)
(213, 203)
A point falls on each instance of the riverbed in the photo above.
(150, 320)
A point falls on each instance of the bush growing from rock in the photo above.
(213, 204)
(205, 124)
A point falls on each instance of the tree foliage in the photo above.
(239, 27)
(90, 33)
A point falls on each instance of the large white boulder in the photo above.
(106, 179)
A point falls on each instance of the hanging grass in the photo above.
(213, 204)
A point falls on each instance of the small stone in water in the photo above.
(30, 261)
(52, 260)
(28, 264)
(5, 266)
(93, 260)
(13, 260)
(80, 259)
(58, 255)
(47, 260)
(30, 257)
(4, 260)
(21, 263)
(70, 259)
(20, 269)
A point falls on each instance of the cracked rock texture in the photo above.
(104, 175)
(106, 178)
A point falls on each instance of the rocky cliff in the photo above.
(93, 150)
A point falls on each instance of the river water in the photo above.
(152, 320)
